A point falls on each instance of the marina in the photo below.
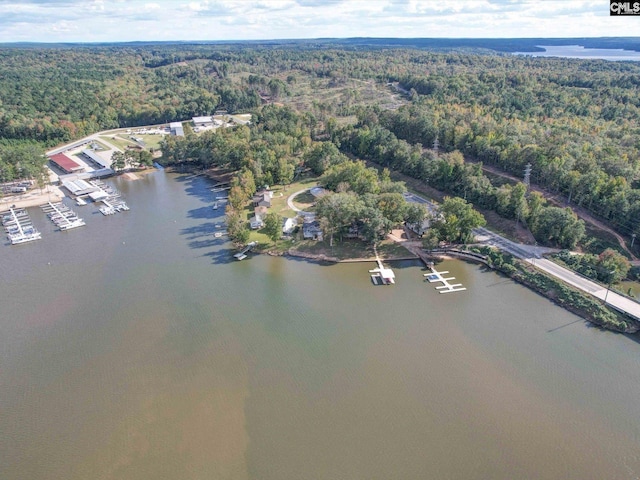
(62, 216)
(18, 226)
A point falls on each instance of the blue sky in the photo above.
(130, 20)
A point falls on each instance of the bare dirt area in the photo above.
(32, 198)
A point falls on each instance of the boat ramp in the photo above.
(62, 216)
(17, 224)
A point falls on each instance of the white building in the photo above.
(176, 129)
(202, 122)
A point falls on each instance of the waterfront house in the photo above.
(256, 222)
(289, 226)
(311, 230)
(263, 199)
(420, 228)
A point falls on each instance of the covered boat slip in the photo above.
(18, 226)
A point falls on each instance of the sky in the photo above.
(163, 20)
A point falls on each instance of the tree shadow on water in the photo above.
(221, 256)
(205, 213)
(199, 187)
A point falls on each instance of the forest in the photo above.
(436, 116)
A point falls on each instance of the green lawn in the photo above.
(281, 194)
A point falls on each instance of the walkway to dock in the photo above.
(382, 275)
(446, 287)
(243, 254)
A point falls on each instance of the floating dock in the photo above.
(62, 216)
(446, 287)
(18, 226)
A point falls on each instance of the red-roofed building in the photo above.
(65, 163)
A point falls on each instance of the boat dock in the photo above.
(17, 224)
(62, 216)
(446, 287)
(243, 254)
(382, 275)
(110, 197)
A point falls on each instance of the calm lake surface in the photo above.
(578, 51)
(133, 348)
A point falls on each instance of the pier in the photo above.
(446, 287)
(18, 226)
(243, 253)
(62, 216)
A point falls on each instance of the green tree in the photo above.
(337, 212)
(237, 227)
(415, 213)
(393, 207)
(457, 219)
(612, 266)
(118, 161)
(273, 226)
(558, 226)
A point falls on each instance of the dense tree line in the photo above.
(575, 121)
(450, 173)
(21, 161)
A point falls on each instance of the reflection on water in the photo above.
(134, 348)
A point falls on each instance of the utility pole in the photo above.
(527, 176)
(436, 145)
(633, 238)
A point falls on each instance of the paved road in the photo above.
(533, 255)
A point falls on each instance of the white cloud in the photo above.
(123, 20)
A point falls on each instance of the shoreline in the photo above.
(33, 199)
(593, 312)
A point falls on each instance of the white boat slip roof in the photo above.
(78, 186)
(202, 120)
(97, 158)
(98, 195)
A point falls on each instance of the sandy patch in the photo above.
(33, 198)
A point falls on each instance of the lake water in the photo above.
(133, 348)
(577, 51)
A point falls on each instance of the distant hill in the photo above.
(496, 44)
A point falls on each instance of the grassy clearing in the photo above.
(305, 201)
(118, 142)
(282, 193)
